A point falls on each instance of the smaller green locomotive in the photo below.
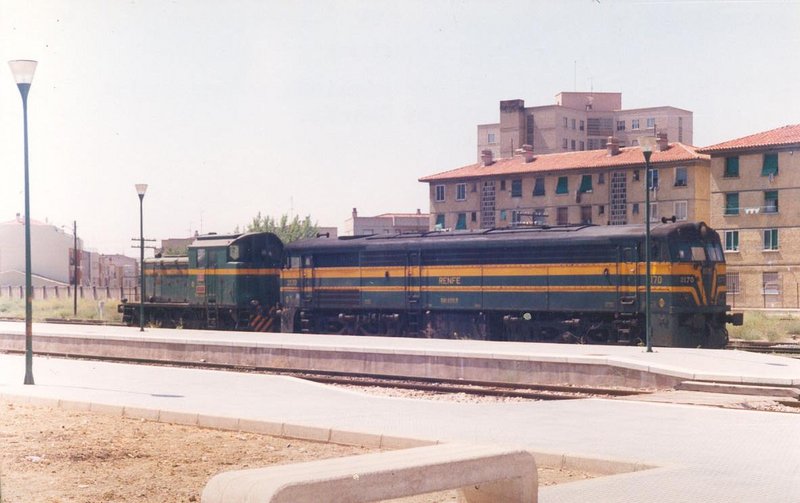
(224, 281)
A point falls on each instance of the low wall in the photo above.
(397, 363)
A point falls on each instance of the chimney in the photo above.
(527, 151)
(486, 157)
(355, 212)
(662, 141)
(613, 146)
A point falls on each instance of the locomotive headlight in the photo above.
(527, 317)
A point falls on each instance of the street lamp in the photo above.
(141, 188)
(647, 143)
(23, 70)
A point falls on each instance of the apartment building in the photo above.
(579, 121)
(605, 187)
(755, 206)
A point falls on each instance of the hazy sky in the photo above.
(228, 108)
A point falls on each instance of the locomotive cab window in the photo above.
(201, 258)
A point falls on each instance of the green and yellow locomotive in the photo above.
(225, 282)
(560, 284)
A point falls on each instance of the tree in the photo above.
(287, 230)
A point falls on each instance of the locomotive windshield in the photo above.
(696, 251)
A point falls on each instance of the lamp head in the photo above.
(648, 143)
(141, 188)
(23, 70)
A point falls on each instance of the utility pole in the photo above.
(75, 268)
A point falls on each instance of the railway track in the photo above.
(791, 350)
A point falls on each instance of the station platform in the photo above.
(465, 360)
(683, 453)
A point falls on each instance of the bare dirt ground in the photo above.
(52, 455)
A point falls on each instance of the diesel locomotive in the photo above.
(579, 283)
(559, 284)
(227, 282)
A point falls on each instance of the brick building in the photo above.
(385, 224)
(755, 206)
(579, 121)
(594, 186)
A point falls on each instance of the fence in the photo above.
(65, 292)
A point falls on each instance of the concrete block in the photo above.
(141, 413)
(218, 422)
(176, 417)
(355, 438)
(307, 432)
(109, 410)
(261, 427)
(484, 473)
(390, 442)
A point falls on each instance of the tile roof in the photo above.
(786, 135)
(584, 159)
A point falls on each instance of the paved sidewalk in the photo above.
(703, 454)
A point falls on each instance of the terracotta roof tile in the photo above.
(585, 159)
(786, 135)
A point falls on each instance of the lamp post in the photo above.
(647, 143)
(23, 70)
(141, 188)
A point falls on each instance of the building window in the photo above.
(502, 185)
(653, 182)
(538, 186)
(539, 216)
(572, 144)
(635, 175)
(601, 179)
(635, 209)
(440, 221)
(770, 239)
(503, 215)
(490, 138)
(732, 241)
(582, 145)
(566, 122)
(473, 216)
(586, 214)
(461, 223)
(516, 188)
(461, 191)
(620, 125)
(635, 124)
(582, 126)
(772, 284)
(732, 203)
(770, 167)
(732, 282)
(562, 216)
(573, 123)
(439, 193)
(681, 177)
(564, 144)
(731, 167)
(586, 184)
(651, 122)
(771, 201)
(516, 217)
(654, 212)
(563, 185)
(601, 210)
(681, 210)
